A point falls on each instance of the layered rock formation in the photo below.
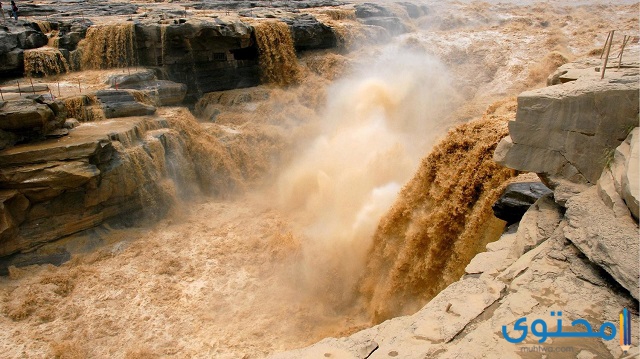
(567, 133)
(13, 44)
(204, 52)
(62, 186)
(60, 177)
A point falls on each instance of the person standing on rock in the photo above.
(14, 10)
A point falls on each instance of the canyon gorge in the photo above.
(315, 178)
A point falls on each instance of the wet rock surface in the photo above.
(72, 183)
(116, 103)
(516, 200)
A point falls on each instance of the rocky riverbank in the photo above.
(574, 251)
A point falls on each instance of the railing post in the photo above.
(606, 56)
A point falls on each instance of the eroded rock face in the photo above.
(12, 43)
(206, 56)
(609, 241)
(162, 92)
(310, 34)
(378, 15)
(562, 132)
(58, 187)
(24, 115)
(629, 178)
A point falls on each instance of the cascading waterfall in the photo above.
(277, 55)
(84, 108)
(44, 62)
(441, 219)
(111, 46)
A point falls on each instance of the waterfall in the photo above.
(109, 47)
(440, 221)
(44, 62)
(277, 56)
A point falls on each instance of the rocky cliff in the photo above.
(207, 53)
(575, 250)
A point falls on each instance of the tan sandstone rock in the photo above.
(610, 242)
(562, 132)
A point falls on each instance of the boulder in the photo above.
(31, 39)
(367, 10)
(310, 34)
(12, 62)
(392, 24)
(164, 92)
(537, 224)
(120, 103)
(618, 185)
(12, 45)
(562, 132)
(71, 32)
(131, 80)
(611, 243)
(24, 115)
(516, 200)
(8, 41)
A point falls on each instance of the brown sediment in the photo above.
(441, 219)
(109, 46)
(278, 60)
(142, 97)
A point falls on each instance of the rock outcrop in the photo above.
(565, 133)
(14, 42)
(310, 34)
(161, 92)
(206, 56)
(516, 200)
(609, 241)
(28, 119)
(378, 15)
(120, 103)
(504, 284)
